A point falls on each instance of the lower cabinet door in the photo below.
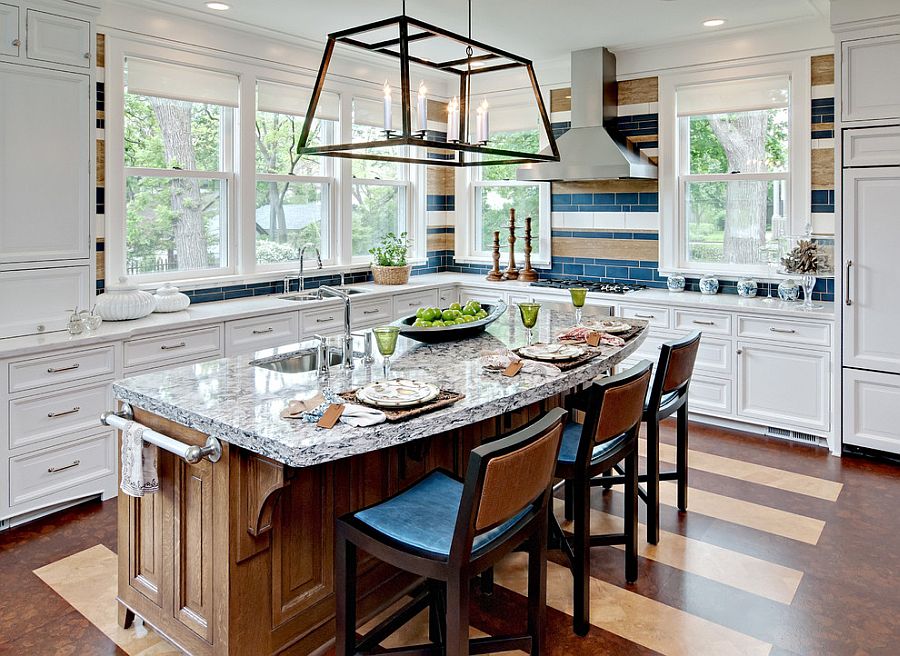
(784, 386)
(711, 395)
(872, 410)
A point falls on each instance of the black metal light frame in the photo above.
(399, 48)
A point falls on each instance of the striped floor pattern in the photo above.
(753, 568)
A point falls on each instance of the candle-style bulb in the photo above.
(423, 106)
(388, 109)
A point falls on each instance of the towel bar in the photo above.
(191, 454)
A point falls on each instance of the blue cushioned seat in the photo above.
(666, 398)
(568, 451)
(424, 517)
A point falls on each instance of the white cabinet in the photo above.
(867, 68)
(657, 317)
(371, 313)
(256, 333)
(41, 300)
(58, 39)
(872, 147)
(710, 395)
(784, 386)
(871, 235)
(9, 30)
(447, 296)
(481, 295)
(177, 346)
(45, 155)
(872, 410)
(407, 303)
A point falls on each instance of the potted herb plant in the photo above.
(389, 265)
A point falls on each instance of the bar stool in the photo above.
(613, 408)
(448, 531)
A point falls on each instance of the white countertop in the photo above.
(218, 311)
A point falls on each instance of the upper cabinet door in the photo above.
(58, 39)
(868, 65)
(871, 300)
(45, 155)
(9, 30)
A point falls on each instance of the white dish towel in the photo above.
(360, 415)
(138, 463)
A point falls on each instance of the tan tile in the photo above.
(822, 126)
(101, 265)
(745, 513)
(823, 168)
(822, 70)
(87, 581)
(101, 163)
(440, 242)
(654, 625)
(605, 186)
(642, 138)
(560, 100)
(732, 568)
(642, 90)
(612, 249)
(101, 50)
(440, 180)
(753, 473)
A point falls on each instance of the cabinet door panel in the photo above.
(867, 65)
(872, 410)
(58, 39)
(9, 30)
(44, 165)
(43, 298)
(871, 235)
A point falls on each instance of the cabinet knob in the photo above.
(41, 327)
(87, 55)
(740, 351)
(16, 43)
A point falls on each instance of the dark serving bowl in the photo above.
(451, 333)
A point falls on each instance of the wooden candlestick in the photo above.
(512, 273)
(528, 274)
(494, 274)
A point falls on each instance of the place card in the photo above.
(513, 368)
(592, 339)
(331, 416)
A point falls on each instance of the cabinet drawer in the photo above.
(43, 298)
(371, 312)
(488, 296)
(408, 303)
(325, 321)
(40, 418)
(58, 39)
(715, 356)
(707, 322)
(713, 395)
(248, 335)
(9, 30)
(57, 469)
(446, 296)
(872, 409)
(61, 368)
(794, 332)
(658, 317)
(173, 346)
(872, 147)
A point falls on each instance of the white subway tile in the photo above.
(610, 220)
(642, 220)
(440, 218)
(637, 109)
(822, 91)
(572, 220)
(822, 223)
(825, 144)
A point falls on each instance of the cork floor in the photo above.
(785, 550)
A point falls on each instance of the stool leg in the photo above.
(435, 619)
(457, 617)
(681, 456)
(653, 480)
(581, 565)
(345, 586)
(631, 515)
(569, 500)
(607, 474)
(537, 588)
(486, 581)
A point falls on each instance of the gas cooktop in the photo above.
(591, 285)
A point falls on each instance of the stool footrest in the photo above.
(476, 646)
(393, 623)
(607, 539)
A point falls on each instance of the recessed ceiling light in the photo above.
(218, 6)
(714, 22)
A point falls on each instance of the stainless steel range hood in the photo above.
(587, 151)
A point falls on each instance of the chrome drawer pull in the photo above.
(847, 300)
(645, 316)
(370, 311)
(325, 320)
(704, 323)
(785, 331)
(56, 470)
(54, 415)
(263, 332)
(52, 370)
(170, 347)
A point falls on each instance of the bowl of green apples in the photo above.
(458, 321)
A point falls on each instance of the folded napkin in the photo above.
(353, 414)
(500, 360)
(138, 463)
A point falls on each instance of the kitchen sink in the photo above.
(314, 295)
(302, 362)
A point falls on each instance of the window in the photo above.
(178, 165)
(736, 177)
(293, 193)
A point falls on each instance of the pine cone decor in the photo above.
(804, 258)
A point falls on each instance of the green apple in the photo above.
(437, 323)
(455, 306)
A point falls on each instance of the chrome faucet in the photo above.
(302, 254)
(347, 342)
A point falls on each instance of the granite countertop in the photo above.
(240, 403)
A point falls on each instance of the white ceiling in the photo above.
(538, 29)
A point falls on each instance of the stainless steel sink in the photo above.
(304, 297)
(352, 290)
(302, 362)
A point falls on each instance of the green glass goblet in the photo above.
(529, 314)
(386, 341)
(578, 294)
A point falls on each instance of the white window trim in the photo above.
(672, 234)
(466, 184)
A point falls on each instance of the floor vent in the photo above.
(793, 436)
(4, 524)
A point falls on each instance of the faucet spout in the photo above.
(347, 350)
(302, 254)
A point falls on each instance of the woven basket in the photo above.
(391, 275)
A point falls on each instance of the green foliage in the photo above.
(391, 250)
(270, 252)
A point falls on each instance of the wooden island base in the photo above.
(237, 557)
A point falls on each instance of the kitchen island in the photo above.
(236, 556)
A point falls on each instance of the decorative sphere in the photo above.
(675, 283)
(709, 285)
(747, 287)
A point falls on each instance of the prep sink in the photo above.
(303, 297)
(299, 363)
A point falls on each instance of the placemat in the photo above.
(443, 400)
(590, 353)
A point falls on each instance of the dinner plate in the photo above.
(400, 393)
(552, 351)
(611, 327)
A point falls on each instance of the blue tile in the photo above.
(623, 235)
(238, 293)
(594, 271)
(648, 198)
(627, 199)
(605, 208)
(574, 269)
(617, 271)
(561, 199)
(207, 298)
(644, 208)
(582, 199)
(639, 273)
(604, 199)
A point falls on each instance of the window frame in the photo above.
(675, 153)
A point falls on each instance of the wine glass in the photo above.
(770, 254)
(578, 294)
(529, 314)
(386, 340)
